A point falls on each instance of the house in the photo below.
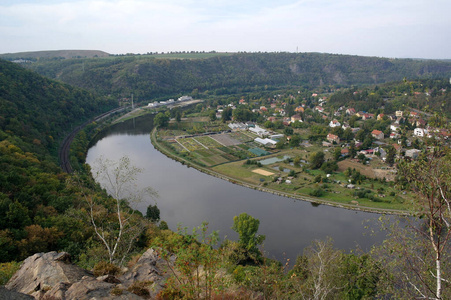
(295, 118)
(380, 117)
(414, 114)
(263, 108)
(398, 113)
(377, 134)
(334, 123)
(242, 101)
(272, 119)
(420, 132)
(333, 138)
(299, 109)
(286, 121)
(394, 127)
(345, 152)
(350, 111)
(319, 109)
(412, 153)
(367, 116)
(394, 135)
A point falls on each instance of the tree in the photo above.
(226, 114)
(422, 261)
(247, 226)
(115, 222)
(161, 120)
(317, 160)
(391, 154)
(153, 213)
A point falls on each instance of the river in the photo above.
(189, 197)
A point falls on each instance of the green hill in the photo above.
(36, 113)
(149, 76)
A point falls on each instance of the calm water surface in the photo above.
(190, 197)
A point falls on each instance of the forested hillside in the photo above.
(35, 114)
(149, 77)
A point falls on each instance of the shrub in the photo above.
(7, 270)
(105, 268)
(140, 288)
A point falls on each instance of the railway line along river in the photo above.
(189, 197)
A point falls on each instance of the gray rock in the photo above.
(42, 271)
(91, 288)
(150, 268)
(6, 294)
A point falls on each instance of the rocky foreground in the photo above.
(52, 276)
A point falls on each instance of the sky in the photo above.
(382, 28)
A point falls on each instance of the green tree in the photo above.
(247, 227)
(391, 154)
(317, 160)
(226, 114)
(161, 120)
(153, 213)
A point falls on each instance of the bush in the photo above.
(318, 192)
(7, 270)
(140, 288)
(105, 268)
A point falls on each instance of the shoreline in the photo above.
(307, 198)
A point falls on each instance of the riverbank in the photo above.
(168, 152)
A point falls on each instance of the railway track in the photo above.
(63, 154)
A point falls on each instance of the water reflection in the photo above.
(189, 197)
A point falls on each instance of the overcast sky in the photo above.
(385, 28)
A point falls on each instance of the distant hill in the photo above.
(35, 55)
(148, 77)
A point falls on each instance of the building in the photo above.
(333, 138)
(334, 123)
(420, 132)
(377, 134)
(259, 131)
(295, 118)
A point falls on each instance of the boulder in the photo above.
(42, 271)
(91, 288)
(149, 269)
(51, 276)
(6, 294)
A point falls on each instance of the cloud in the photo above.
(345, 26)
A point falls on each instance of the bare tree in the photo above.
(114, 220)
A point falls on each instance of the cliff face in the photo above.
(52, 276)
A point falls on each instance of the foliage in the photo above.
(317, 160)
(153, 213)
(149, 78)
(247, 226)
(196, 264)
(116, 224)
(105, 268)
(7, 270)
(418, 250)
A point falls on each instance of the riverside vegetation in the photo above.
(46, 209)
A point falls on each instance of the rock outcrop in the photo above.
(52, 276)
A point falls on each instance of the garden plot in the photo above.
(241, 136)
(208, 142)
(190, 144)
(225, 139)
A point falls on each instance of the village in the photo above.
(272, 144)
